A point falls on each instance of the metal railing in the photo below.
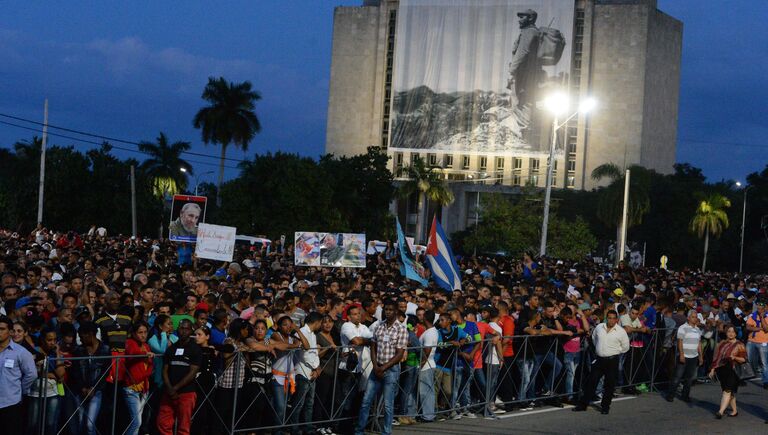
(257, 401)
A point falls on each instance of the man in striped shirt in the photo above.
(690, 357)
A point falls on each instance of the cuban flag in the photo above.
(445, 272)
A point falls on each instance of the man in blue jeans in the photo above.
(757, 334)
(390, 338)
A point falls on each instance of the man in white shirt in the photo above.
(690, 357)
(611, 342)
(307, 370)
(428, 342)
(354, 338)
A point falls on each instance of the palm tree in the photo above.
(165, 166)
(427, 182)
(710, 218)
(610, 204)
(228, 119)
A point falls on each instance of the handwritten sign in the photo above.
(215, 242)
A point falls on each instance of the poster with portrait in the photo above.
(470, 76)
(187, 212)
(329, 249)
(215, 242)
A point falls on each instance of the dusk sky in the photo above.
(132, 69)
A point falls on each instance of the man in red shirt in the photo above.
(506, 384)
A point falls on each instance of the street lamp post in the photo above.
(743, 224)
(558, 105)
(197, 180)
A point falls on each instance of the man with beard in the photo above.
(185, 226)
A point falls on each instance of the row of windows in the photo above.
(534, 164)
(388, 80)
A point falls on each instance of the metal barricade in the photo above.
(243, 396)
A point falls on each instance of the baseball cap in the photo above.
(23, 302)
(619, 292)
(585, 306)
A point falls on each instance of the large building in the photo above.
(420, 78)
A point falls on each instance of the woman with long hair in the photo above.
(160, 339)
(329, 361)
(204, 416)
(138, 373)
(235, 366)
(259, 374)
(728, 353)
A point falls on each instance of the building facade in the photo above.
(623, 53)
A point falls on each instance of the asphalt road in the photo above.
(648, 413)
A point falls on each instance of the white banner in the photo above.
(215, 242)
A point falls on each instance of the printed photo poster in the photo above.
(186, 213)
(215, 242)
(329, 249)
(470, 76)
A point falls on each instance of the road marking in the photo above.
(541, 411)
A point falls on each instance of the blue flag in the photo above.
(409, 267)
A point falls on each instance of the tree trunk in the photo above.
(706, 248)
(221, 174)
(420, 217)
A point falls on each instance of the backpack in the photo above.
(551, 46)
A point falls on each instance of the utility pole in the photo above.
(41, 188)
(548, 189)
(623, 235)
(133, 200)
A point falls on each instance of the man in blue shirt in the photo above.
(450, 337)
(465, 367)
(17, 373)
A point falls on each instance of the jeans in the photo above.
(84, 421)
(551, 360)
(572, 361)
(622, 361)
(51, 413)
(493, 380)
(462, 383)
(427, 394)
(387, 385)
(480, 387)
(686, 373)
(303, 404)
(279, 403)
(755, 352)
(407, 396)
(527, 384)
(135, 402)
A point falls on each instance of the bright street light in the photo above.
(183, 170)
(558, 104)
(587, 105)
(738, 184)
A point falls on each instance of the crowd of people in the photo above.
(175, 344)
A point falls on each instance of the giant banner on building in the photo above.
(470, 75)
(329, 249)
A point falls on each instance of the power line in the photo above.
(130, 150)
(108, 138)
(709, 142)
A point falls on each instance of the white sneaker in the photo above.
(395, 422)
(455, 416)
(468, 414)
